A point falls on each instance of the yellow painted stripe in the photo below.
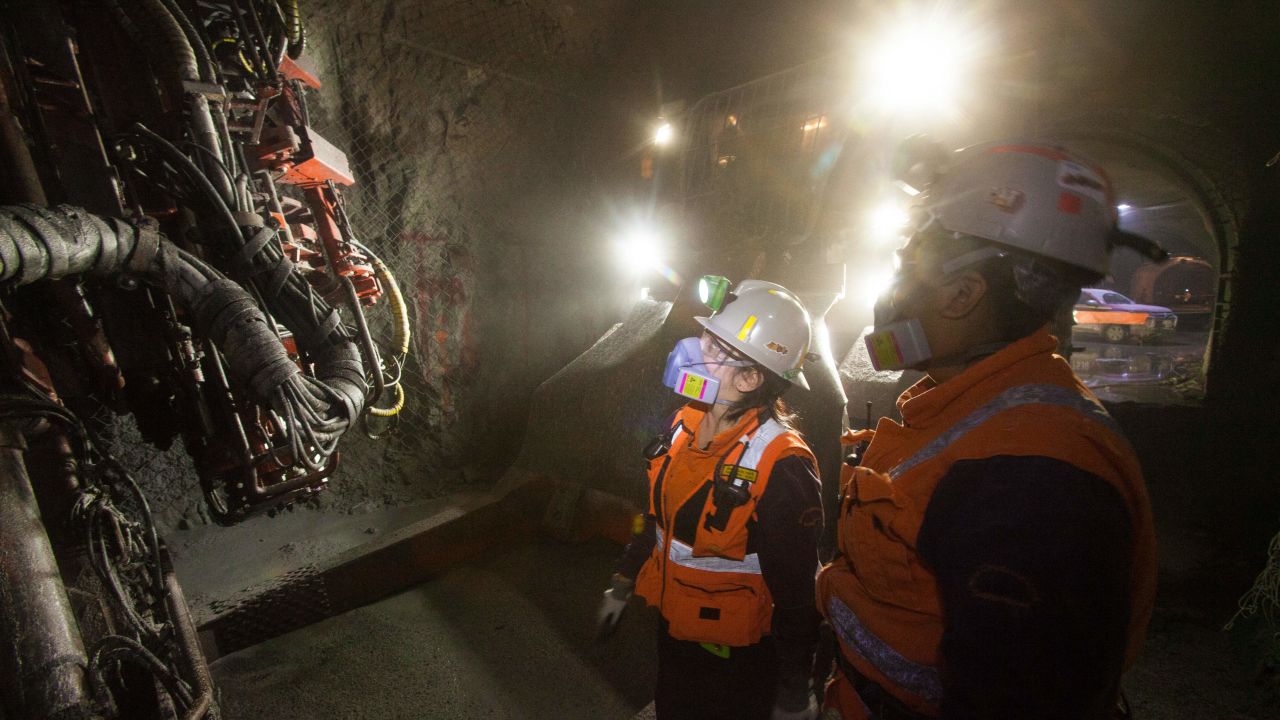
(747, 327)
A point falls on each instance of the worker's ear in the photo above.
(747, 379)
(961, 295)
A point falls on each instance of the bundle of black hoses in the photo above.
(49, 243)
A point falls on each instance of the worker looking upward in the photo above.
(996, 557)
(728, 552)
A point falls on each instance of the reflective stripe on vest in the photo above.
(1011, 398)
(677, 431)
(915, 678)
(759, 442)
(919, 679)
(682, 554)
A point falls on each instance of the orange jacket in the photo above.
(712, 590)
(882, 601)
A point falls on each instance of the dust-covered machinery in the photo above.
(173, 245)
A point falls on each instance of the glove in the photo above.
(611, 606)
(810, 712)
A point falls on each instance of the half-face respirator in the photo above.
(893, 343)
(899, 343)
(688, 372)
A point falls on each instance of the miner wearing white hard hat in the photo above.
(996, 557)
(727, 551)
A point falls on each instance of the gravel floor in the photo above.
(506, 636)
(509, 636)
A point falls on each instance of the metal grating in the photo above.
(294, 600)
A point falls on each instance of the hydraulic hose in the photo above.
(293, 25)
(161, 33)
(402, 331)
(394, 409)
(287, 294)
(204, 60)
(399, 309)
(38, 244)
(150, 23)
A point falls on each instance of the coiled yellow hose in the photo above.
(402, 331)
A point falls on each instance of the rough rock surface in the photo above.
(463, 125)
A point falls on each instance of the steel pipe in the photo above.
(42, 657)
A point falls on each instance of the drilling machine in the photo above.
(174, 246)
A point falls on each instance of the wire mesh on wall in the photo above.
(445, 113)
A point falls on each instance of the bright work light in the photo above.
(920, 66)
(640, 248)
(712, 290)
(664, 134)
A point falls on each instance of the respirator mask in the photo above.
(895, 343)
(899, 343)
(690, 373)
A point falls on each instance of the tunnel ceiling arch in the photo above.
(1169, 156)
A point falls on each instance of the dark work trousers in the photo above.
(694, 684)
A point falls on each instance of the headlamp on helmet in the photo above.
(712, 291)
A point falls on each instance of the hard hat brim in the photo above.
(799, 380)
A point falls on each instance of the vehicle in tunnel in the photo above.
(1118, 319)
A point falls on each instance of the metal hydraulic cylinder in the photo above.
(42, 657)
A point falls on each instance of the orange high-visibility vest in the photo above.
(712, 590)
(882, 602)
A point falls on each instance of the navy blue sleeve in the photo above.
(638, 550)
(1032, 557)
(786, 531)
(641, 545)
(785, 535)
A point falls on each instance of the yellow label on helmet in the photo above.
(747, 327)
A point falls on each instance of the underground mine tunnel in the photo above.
(341, 339)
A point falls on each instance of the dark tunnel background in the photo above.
(498, 144)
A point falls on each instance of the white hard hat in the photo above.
(1031, 197)
(768, 324)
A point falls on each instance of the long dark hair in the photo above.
(766, 399)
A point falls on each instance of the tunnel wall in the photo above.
(461, 121)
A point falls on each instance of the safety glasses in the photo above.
(714, 351)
